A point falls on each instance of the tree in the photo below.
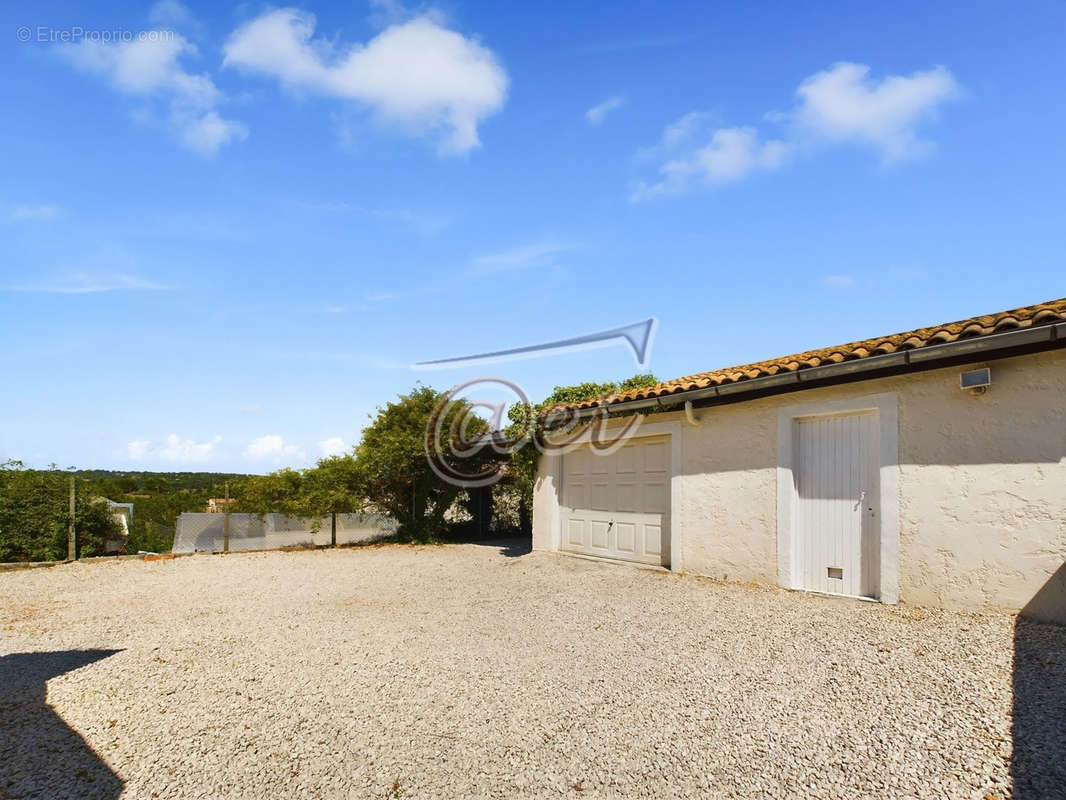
(333, 486)
(34, 508)
(95, 524)
(275, 493)
(392, 467)
(525, 460)
(33, 513)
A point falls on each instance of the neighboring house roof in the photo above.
(1042, 314)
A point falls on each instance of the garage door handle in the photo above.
(610, 524)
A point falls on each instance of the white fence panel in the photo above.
(200, 532)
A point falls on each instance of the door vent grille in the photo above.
(835, 572)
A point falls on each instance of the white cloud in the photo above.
(148, 66)
(178, 449)
(208, 133)
(89, 283)
(533, 255)
(836, 106)
(138, 448)
(27, 213)
(838, 281)
(171, 14)
(145, 66)
(417, 74)
(732, 154)
(387, 12)
(675, 136)
(173, 449)
(843, 104)
(598, 113)
(272, 447)
(683, 129)
(334, 446)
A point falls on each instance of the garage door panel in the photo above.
(575, 495)
(575, 532)
(653, 540)
(618, 504)
(655, 457)
(599, 497)
(656, 498)
(627, 460)
(600, 534)
(625, 537)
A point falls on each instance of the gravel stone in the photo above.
(483, 671)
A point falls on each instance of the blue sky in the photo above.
(226, 233)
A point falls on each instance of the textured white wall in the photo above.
(545, 506)
(982, 485)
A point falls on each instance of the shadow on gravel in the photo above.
(1038, 728)
(40, 755)
(509, 546)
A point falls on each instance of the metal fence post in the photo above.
(225, 522)
(72, 535)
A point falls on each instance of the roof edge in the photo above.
(998, 345)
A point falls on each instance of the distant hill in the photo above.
(134, 482)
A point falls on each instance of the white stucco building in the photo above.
(865, 470)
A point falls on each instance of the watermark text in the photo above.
(73, 34)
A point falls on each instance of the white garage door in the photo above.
(838, 501)
(618, 505)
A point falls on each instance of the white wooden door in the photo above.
(618, 505)
(838, 502)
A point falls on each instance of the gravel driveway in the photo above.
(484, 671)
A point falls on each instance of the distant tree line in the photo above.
(34, 508)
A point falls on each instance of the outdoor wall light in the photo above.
(976, 381)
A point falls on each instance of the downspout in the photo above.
(690, 415)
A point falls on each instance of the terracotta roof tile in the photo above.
(1049, 313)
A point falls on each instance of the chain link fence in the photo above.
(207, 532)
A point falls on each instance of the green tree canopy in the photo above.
(34, 508)
(392, 467)
(278, 492)
(333, 486)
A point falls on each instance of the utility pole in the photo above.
(225, 521)
(72, 536)
(333, 528)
